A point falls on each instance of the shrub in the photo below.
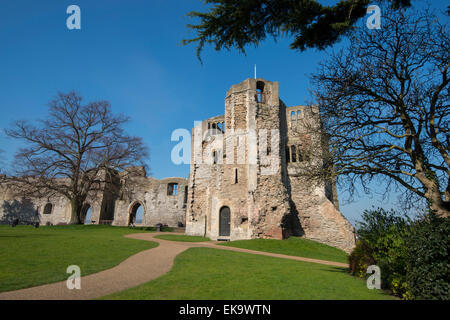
(360, 258)
(428, 267)
(382, 242)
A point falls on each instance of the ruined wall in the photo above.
(111, 206)
(152, 195)
(14, 205)
(313, 199)
(271, 195)
(217, 180)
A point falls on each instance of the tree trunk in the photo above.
(76, 212)
(437, 204)
(442, 208)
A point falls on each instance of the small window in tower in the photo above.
(260, 98)
(293, 116)
(294, 153)
(236, 180)
(172, 189)
(215, 156)
(185, 196)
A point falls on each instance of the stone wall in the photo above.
(112, 206)
(314, 200)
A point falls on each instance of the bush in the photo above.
(360, 258)
(382, 242)
(428, 267)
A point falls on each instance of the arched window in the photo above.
(260, 98)
(48, 208)
(87, 214)
(139, 214)
(136, 214)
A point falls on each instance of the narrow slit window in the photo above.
(260, 92)
(185, 196)
(294, 153)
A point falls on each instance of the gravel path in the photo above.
(137, 269)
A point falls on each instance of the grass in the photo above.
(182, 238)
(31, 257)
(209, 274)
(294, 246)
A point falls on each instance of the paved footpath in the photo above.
(135, 270)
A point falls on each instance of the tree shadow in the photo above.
(21, 211)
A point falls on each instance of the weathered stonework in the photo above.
(265, 199)
(115, 205)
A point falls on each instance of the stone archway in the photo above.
(224, 222)
(86, 213)
(136, 213)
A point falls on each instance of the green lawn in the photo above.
(204, 273)
(31, 257)
(293, 246)
(182, 238)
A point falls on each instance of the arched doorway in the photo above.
(136, 214)
(224, 222)
(86, 214)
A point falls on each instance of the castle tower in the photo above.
(240, 193)
(244, 180)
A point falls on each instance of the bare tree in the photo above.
(74, 152)
(384, 106)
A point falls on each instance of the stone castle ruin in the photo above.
(156, 201)
(244, 180)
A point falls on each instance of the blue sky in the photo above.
(129, 53)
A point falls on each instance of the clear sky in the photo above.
(129, 53)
